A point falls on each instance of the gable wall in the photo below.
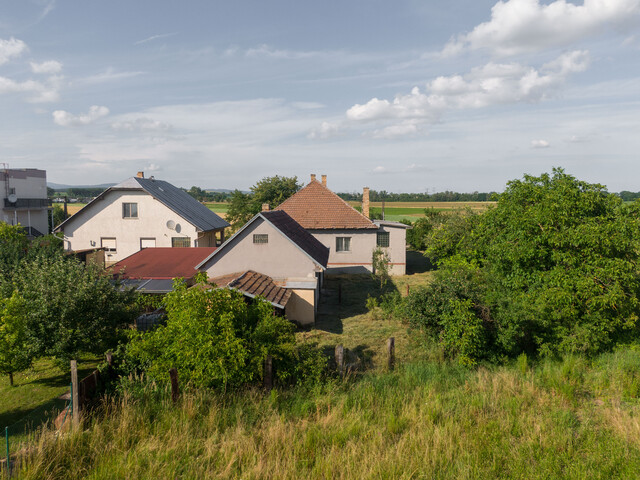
(279, 258)
(397, 249)
(103, 218)
(358, 260)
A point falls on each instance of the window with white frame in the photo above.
(129, 210)
(147, 243)
(343, 244)
(109, 245)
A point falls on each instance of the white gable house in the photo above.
(141, 213)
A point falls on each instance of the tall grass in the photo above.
(569, 419)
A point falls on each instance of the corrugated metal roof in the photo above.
(182, 203)
(148, 286)
(172, 197)
(162, 263)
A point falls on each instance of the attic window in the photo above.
(129, 210)
(260, 238)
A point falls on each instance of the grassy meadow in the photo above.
(429, 418)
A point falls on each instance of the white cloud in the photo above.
(270, 52)
(11, 48)
(492, 84)
(50, 66)
(142, 124)
(109, 75)
(518, 26)
(39, 92)
(380, 169)
(66, 119)
(395, 131)
(540, 144)
(155, 37)
(324, 131)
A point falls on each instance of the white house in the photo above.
(272, 250)
(140, 213)
(23, 193)
(350, 236)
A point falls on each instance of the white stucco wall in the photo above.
(27, 186)
(301, 307)
(397, 249)
(279, 258)
(103, 220)
(358, 260)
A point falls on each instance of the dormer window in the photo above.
(129, 210)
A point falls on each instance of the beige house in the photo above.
(350, 236)
(23, 193)
(141, 213)
(274, 245)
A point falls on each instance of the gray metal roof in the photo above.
(182, 203)
(172, 197)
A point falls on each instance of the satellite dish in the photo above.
(13, 198)
(178, 227)
(171, 225)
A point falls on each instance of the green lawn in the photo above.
(34, 397)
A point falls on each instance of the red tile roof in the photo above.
(255, 284)
(162, 263)
(317, 207)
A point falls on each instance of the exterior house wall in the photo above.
(103, 219)
(397, 249)
(29, 184)
(301, 307)
(279, 258)
(358, 260)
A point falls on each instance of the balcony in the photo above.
(27, 203)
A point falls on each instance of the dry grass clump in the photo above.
(426, 420)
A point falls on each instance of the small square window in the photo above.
(382, 239)
(129, 210)
(260, 238)
(343, 244)
(180, 242)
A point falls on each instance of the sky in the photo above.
(402, 96)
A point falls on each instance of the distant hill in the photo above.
(59, 186)
(219, 190)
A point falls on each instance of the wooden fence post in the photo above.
(391, 350)
(75, 391)
(268, 373)
(340, 359)
(407, 290)
(175, 391)
(110, 358)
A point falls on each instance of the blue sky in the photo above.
(400, 96)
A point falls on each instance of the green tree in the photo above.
(15, 351)
(270, 190)
(71, 307)
(555, 267)
(216, 339)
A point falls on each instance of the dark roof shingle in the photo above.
(298, 235)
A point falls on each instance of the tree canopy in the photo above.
(551, 270)
(270, 190)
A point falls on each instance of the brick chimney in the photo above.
(313, 177)
(365, 201)
(265, 207)
(324, 180)
(140, 175)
